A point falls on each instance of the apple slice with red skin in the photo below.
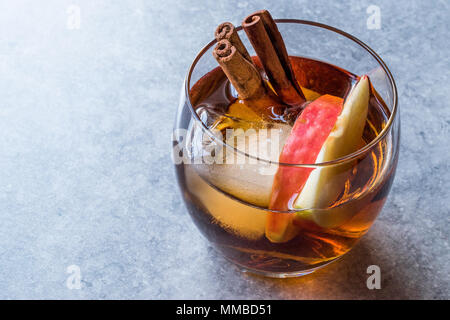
(309, 133)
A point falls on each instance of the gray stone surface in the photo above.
(85, 172)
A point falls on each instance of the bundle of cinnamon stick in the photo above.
(269, 46)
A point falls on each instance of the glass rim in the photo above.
(337, 161)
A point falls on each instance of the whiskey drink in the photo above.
(236, 187)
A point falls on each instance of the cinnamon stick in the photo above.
(241, 72)
(227, 31)
(268, 43)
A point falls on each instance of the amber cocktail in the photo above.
(289, 179)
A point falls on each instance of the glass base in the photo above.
(279, 275)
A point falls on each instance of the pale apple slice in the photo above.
(326, 183)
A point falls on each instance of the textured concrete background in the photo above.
(85, 172)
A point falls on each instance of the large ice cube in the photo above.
(244, 177)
